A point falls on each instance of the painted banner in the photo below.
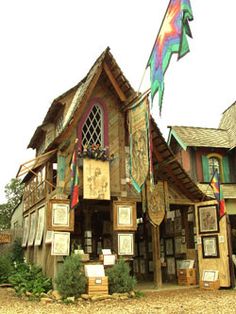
(139, 152)
(156, 202)
(96, 179)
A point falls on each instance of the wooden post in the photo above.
(156, 256)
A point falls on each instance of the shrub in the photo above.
(17, 251)
(119, 278)
(70, 280)
(30, 278)
(6, 268)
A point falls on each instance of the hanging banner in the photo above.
(138, 128)
(96, 179)
(156, 202)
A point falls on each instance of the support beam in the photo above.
(156, 256)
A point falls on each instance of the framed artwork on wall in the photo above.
(60, 217)
(60, 243)
(169, 246)
(208, 219)
(210, 246)
(125, 244)
(124, 215)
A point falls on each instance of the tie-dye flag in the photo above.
(74, 189)
(170, 39)
(217, 190)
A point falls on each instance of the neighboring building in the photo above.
(201, 151)
(95, 112)
(17, 221)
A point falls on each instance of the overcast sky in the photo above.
(48, 46)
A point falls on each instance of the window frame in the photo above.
(94, 102)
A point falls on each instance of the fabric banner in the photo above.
(217, 190)
(96, 179)
(156, 202)
(139, 144)
(74, 187)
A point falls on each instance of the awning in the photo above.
(32, 164)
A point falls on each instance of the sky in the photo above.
(48, 46)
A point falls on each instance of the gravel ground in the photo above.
(176, 301)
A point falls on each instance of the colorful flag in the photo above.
(74, 188)
(217, 190)
(171, 39)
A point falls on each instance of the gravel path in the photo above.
(176, 302)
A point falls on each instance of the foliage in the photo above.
(70, 279)
(13, 192)
(17, 252)
(30, 278)
(6, 268)
(119, 278)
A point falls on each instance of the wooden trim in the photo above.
(114, 82)
(133, 216)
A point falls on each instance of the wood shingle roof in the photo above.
(200, 137)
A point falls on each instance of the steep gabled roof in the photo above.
(105, 62)
(169, 169)
(188, 136)
(228, 122)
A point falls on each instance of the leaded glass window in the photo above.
(214, 165)
(92, 131)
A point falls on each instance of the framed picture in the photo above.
(96, 179)
(178, 245)
(210, 275)
(208, 219)
(48, 239)
(178, 225)
(32, 230)
(169, 247)
(125, 244)
(60, 217)
(124, 216)
(210, 246)
(170, 261)
(25, 231)
(60, 243)
(40, 226)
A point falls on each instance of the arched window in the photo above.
(93, 127)
(92, 130)
(214, 164)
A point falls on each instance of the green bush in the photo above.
(6, 268)
(119, 278)
(30, 278)
(70, 280)
(17, 251)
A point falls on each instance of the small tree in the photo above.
(119, 278)
(70, 280)
(13, 192)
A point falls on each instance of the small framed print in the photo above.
(60, 243)
(124, 215)
(40, 226)
(169, 246)
(208, 219)
(60, 217)
(125, 244)
(170, 261)
(210, 275)
(210, 246)
(178, 225)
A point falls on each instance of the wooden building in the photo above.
(201, 151)
(95, 112)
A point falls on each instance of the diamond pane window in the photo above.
(214, 165)
(92, 131)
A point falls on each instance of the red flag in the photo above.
(217, 190)
(74, 189)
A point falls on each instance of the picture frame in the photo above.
(210, 246)
(124, 216)
(208, 219)
(40, 226)
(125, 244)
(25, 231)
(32, 229)
(169, 246)
(178, 225)
(60, 243)
(178, 245)
(170, 263)
(60, 216)
(210, 275)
